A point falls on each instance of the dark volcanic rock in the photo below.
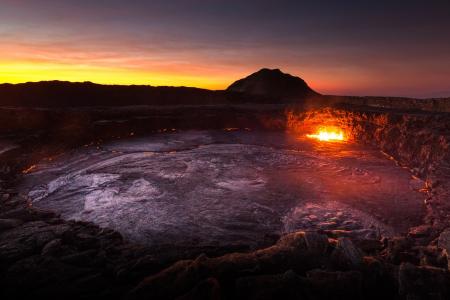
(444, 243)
(280, 286)
(26, 214)
(291, 269)
(273, 84)
(335, 285)
(9, 223)
(346, 255)
(423, 282)
(51, 247)
(290, 252)
(206, 289)
(27, 239)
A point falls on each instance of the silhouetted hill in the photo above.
(273, 84)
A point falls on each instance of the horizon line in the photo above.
(202, 88)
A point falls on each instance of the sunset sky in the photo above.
(396, 48)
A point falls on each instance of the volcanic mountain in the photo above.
(273, 84)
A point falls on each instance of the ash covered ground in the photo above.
(228, 189)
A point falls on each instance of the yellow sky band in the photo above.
(19, 72)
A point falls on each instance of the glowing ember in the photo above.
(29, 169)
(328, 135)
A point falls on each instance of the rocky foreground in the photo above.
(44, 256)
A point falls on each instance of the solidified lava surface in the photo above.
(228, 188)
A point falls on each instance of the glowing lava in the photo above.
(328, 135)
(29, 169)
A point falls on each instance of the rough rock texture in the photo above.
(45, 256)
(293, 267)
(444, 243)
(399, 103)
(418, 141)
(42, 255)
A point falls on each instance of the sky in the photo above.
(384, 47)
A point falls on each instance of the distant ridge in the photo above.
(273, 83)
(73, 94)
(264, 86)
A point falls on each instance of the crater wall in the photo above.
(419, 141)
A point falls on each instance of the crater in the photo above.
(222, 189)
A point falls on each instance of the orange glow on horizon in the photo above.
(33, 71)
(23, 62)
(199, 76)
(29, 71)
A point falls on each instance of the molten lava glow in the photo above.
(29, 169)
(328, 135)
